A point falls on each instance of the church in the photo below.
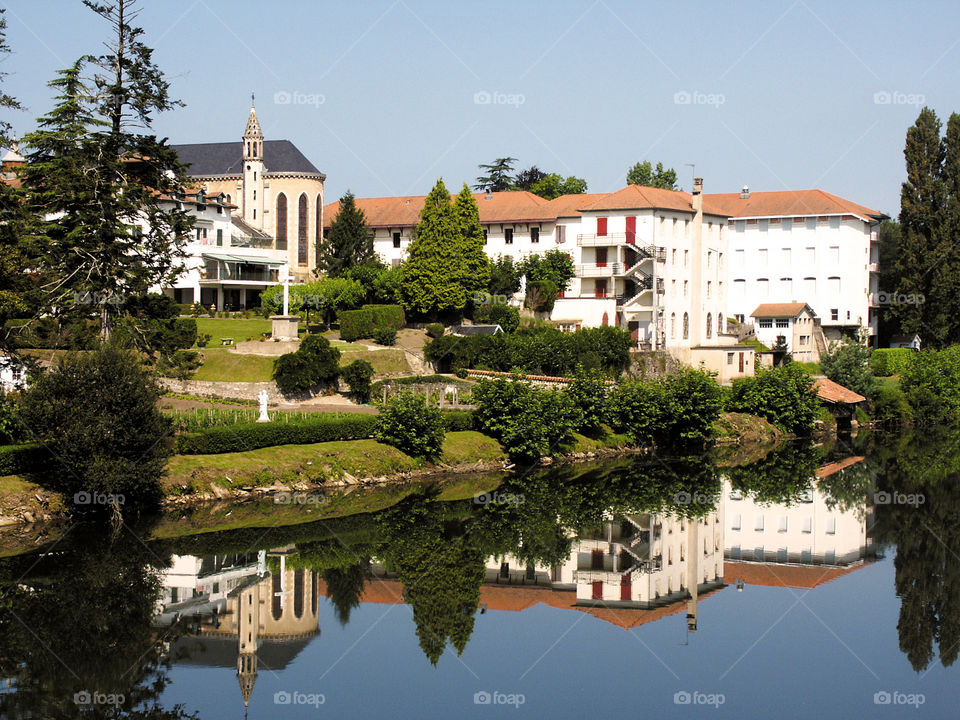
(276, 189)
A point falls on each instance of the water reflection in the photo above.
(628, 543)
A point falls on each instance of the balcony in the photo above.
(594, 270)
(610, 239)
(226, 268)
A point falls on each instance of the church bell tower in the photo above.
(253, 201)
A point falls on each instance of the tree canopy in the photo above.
(643, 173)
(349, 242)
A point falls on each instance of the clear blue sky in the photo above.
(782, 93)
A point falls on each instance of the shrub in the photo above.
(541, 295)
(783, 395)
(461, 372)
(292, 373)
(11, 429)
(179, 364)
(356, 324)
(885, 362)
(505, 316)
(357, 375)
(23, 459)
(97, 413)
(588, 392)
(847, 364)
(385, 336)
(458, 420)
(931, 384)
(890, 406)
(435, 330)
(250, 436)
(203, 339)
(407, 423)
(315, 362)
(386, 316)
(528, 422)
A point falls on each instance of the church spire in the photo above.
(252, 136)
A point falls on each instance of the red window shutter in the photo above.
(601, 226)
(632, 230)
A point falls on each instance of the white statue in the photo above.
(263, 398)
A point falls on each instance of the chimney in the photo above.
(489, 194)
(745, 193)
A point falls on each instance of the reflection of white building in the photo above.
(13, 375)
(803, 544)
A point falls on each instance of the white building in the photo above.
(13, 375)
(803, 246)
(796, 323)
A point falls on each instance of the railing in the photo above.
(650, 252)
(238, 272)
(593, 240)
(588, 270)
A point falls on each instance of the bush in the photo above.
(528, 422)
(783, 395)
(461, 372)
(505, 316)
(250, 436)
(588, 392)
(357, 375)
(203, 339)
(11, 429)
(355, 324)
(97, 413)
(386, 316)
(315, 362)
(24, 459)
(885, 362)
(541, 295)
(435, 330)
(407, 423)
(847, 364)
(677, 410)
(931, 384)
(458, 420)
(385, 336)
(890, 406)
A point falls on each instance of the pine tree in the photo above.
(113, 235)
(349, 243)
(6, 101)
(498, 176)
(922, 201)
(432, 276)
(474, 261)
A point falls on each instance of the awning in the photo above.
(253, 259)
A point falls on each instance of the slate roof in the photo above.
(226, 158)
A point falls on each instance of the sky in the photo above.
(386, 96)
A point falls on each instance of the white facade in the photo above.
(13, 375)
(795, 323)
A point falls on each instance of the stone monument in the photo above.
(286, 326)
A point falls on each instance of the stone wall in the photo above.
(205, 388)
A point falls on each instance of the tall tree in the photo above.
(526, 179)
(474, 260)
(922, 202)
(432, 276)
(945, 280)
(349, 243)
(643, 173)
(498, 175)
(106, 184)
(554, 185)
(7, 102)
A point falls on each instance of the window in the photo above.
(318, 231)
(831, 528)
(804, 340)
(729, 358)
(739, 288)
(561, 234)
(739, 258)
(219, 237)
(758, 523)
(807, 526)
(485, 235)
(673, 256)
(686, 285)
(709, 325)
(673, 325)
(601, 226)
(686, 258)
(811, 254)
(762, 256)
(709, 288)
(766, 323)
(782, 524)
(763, 287)
(720, 327)
(834, 285)
(281, 221)
(810, 286)
(686, 323)
(834, 255)
(786, 287)
(783, 322)
(834, 314)
(787, 256)
(508, 236)
(396, 239)
(302, 242)
(709, 257)
(534, 234)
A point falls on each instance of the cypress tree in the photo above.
(944, 302)
(474, 262)
(349, 243)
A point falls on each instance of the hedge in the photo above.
(20, 459)
(365, 322)
(386, 316)
(890, 361)
(251, 436)
(458, 420)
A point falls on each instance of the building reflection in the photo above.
(240, 613)
(803, 544)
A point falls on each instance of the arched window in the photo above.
(720, 327)
(673, 325)
(319, 220)
(709, 325)
(302, 242)
(281, 222)
(686, 326)
(229, 199)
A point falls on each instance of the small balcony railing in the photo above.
(589, 270)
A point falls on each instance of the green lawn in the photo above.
(237, 328)
(469, 446)
(219, 364)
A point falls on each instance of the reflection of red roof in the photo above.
(833, 392)
(514, 598)
(777, 575)
(832, 468)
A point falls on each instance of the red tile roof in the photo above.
(835, 392)
(569, 205)
(836, 467)
(783, 575)
(774, 310)
(785, 204)
(635, 197)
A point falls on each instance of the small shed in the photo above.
(905, 341)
